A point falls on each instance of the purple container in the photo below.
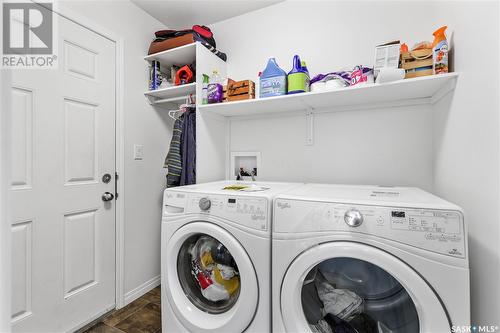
(215, 93)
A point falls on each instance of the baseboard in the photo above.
(82, 327)
(142, 289)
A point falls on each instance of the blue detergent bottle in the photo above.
(272, 81)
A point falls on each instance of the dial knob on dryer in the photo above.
(353, 218)
(205, 203)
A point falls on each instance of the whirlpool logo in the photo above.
(283, 205)
(475, 329)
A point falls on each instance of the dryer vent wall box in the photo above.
(245, 165)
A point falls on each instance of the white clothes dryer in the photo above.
(368, 259)
(216, 257)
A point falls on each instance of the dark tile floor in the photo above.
(141, 316)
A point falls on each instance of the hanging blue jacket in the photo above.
(188, 148)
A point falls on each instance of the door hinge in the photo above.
(116, 185)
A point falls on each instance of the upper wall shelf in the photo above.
(171, 94)
(422, 90)
(181, 55)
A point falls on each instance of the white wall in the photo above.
(467, 146)
(387, 147)
(454, 153)
(144, 180)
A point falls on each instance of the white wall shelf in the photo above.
(171, 94)
(422, 90)
(179, 56)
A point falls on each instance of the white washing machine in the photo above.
(368, 259)
(216, 257)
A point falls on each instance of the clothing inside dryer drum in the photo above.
(354, 296)
(208, 274)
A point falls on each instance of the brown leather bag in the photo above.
(158, 46)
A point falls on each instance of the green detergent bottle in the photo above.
(298, 77)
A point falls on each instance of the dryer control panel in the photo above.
(440, 231)
(247, 211)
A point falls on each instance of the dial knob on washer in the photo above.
(353, 218)
(205, 203)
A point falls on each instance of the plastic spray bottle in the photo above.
(204, 89)
(440, 51)
(215, 89)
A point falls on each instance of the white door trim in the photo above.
(5, 225)
(119, 140)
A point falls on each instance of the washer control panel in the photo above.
(251, 212)
(440, 231)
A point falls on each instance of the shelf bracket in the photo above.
(443, 91)
(151, 99)
(309, 127)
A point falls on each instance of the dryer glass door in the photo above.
(208, 274)
(356, 288)
(357, 296)
(211, 283)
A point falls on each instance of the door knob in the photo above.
(106, 196)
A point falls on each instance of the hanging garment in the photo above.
(173, 161)
(188, 148)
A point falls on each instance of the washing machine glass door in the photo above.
(351, 287)
(212, 285)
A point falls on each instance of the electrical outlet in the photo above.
(138, 152)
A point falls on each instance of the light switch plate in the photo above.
(138, 152)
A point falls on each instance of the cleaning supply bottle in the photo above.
(204, 89)
(272, 81)
(215, 90)
(298, 77)
(257, 86)
(440, 51)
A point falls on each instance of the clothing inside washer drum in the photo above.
(208, 274)
(354, 296)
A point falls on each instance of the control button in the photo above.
(353, 218)
(380, 220)
(205, 204)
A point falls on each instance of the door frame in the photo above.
(5, 151)
(5, 221)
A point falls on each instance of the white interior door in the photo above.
(63, 142)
